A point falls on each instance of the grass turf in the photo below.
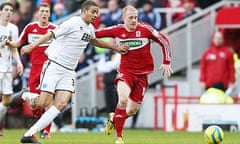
(136, 136)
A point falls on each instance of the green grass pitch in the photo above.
(135, 136)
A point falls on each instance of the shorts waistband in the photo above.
(60, 65)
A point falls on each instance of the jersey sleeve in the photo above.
(163, 41)
(24, 34)
(63, 29)
(106, 32)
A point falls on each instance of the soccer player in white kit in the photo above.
(58, 75)
(7, 31)
(31, 32)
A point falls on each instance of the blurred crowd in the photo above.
(25, 10)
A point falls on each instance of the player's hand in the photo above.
(123, 49)
(166, 70)
(0, 54)
(6, 42)
(19, 69)
(26, 49)
(203, 86)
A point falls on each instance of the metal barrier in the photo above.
(175, 100)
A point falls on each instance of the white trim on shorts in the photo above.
(56, 77)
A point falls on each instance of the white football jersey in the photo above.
(72, 38)
(7, 32)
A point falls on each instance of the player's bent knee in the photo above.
(132, 112)
(39, 104)
(34, 107)
(123, 103)
(60, 105)
(6, 103)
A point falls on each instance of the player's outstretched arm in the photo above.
(12, 44)
(166, 70)
(123, 49)
(28, 48)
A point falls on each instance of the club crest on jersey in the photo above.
(123, 35)
(138, 33)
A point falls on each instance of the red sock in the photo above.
(119, 120)
(47, 129)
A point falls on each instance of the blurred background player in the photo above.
(135, 66)
(217, 64)
(32, 32)
(7, 31)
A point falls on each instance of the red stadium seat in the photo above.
(228, 20)
(228, 15)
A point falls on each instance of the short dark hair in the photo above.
(148, 2)
(87, 4)
(6, 4)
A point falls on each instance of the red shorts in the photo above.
(34, 78)
(137, 84)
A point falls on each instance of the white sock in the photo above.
(45, 120)
(3, 110)
(29, 95)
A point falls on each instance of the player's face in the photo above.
(218, 39)
(6, 13)
(44, 14)
(91, 14)
(130, 19)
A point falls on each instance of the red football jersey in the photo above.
(139, 59)
(32, 32)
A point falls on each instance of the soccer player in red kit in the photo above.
(32, 32)
(135, 66)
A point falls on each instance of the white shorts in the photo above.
(6, 83)
(56, 77)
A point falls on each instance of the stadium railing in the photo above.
(164, 99)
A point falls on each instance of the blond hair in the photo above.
(44, 5)
(128, 7)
